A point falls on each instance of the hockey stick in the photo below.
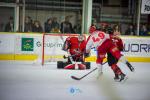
(79, 78)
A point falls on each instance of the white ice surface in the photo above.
(26, 81)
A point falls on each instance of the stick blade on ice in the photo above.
(73, 77)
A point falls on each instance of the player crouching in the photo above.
(75, 47)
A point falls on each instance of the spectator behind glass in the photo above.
(104, 26)
(130, 30)
(10, 25)
(143, 31)
(116, 30)
(48, 25)
(2, 27)
(55, 25)
(148, 29)
(37, 27)
(66, 26)
(28, 24)
(77, 27)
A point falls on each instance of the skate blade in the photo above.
(117, 80)
(123, 81)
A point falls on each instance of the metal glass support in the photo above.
(23, 16)
(16, 17)
(86, 15)
(138, 16)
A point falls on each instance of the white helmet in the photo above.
(80, 37)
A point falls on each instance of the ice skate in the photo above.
(99, 75)
(130, 66)
(100, 72)
(123, 77)
(116, 78)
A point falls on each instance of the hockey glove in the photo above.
(86, 55)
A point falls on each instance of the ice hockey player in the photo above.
(75, 46)
(112, 61)
(103, 44)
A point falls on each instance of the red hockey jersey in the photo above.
(74, 46)
(118, 42)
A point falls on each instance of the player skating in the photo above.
(103, 44)
(112, 61)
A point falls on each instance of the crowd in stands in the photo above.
(9, 27)
(50, 26)
(53, 26)
(130, 30)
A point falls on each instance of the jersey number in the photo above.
(100, 36)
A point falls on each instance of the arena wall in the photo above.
(28, 46)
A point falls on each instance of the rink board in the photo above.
(22, 46)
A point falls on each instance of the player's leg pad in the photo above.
(61, 64)
(87, 64)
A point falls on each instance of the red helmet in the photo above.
(92, 29)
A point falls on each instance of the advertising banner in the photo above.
(27, 44)
(137, 47)
(145, 7)
(53, 45)
(134, 47)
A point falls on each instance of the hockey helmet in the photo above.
(109, 30)
(80, 37)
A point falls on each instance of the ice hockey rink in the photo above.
(27, 81)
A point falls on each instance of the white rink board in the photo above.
(134, 46)
(53, 45)
(7, 43)
(37, 45)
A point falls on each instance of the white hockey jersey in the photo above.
(96, 39)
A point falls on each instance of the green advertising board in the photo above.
(27, 44)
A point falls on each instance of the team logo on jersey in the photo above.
(27, 44)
